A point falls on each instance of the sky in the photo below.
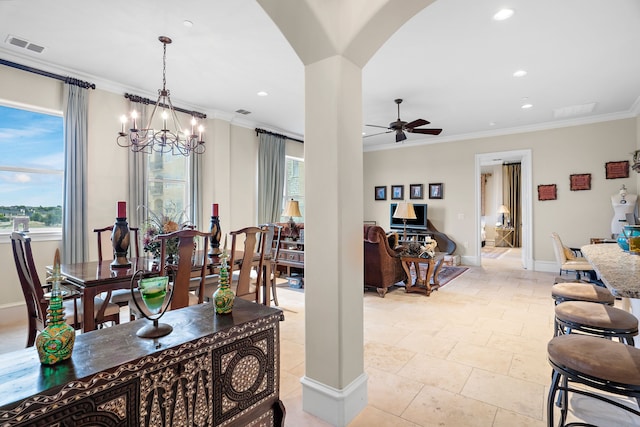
(30, 140)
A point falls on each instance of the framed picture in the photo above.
(580, 181)
(381, 192)
(435, 191)
(617, 169)
(547, 192)
(415, 191)
(397, 192)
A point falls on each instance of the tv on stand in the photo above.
(420, 223)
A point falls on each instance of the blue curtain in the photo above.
(74, 214)
(271, 169)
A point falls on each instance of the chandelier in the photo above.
(165, 140)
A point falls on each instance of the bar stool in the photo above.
(599, 364)
(577, 291)
(595, 319)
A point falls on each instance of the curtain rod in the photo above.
(68, 80)
(258, 130)
(147, 101)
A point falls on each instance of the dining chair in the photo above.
(182, 275)
(272, 252)
(252, 257)
(36, 301)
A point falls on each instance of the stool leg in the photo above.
(555, 378)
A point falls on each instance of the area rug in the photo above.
(447, 274)
(493, 252)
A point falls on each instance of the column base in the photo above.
(337, 407)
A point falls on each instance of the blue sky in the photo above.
(30, 140)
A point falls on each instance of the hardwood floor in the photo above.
(471, 354)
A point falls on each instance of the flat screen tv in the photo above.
(420, 223)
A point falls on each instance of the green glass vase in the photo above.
(55, 342)
(223, 296)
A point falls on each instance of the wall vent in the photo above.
(22, 43)
(241, 111)
(573, 110)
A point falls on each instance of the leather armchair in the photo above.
(382, 265)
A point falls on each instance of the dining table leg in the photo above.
(88, 318)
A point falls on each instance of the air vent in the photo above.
(241, 111)
(573, 110)
(22, 43)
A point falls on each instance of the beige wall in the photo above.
(556, 153)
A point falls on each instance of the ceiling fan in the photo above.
(400, 127)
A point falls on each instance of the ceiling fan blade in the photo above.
(376, 126)
(426, 131)
(416, 123)
(374, 134)
(400, 136)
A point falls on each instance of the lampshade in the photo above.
(503, 209)
(292, 209)
(405, 211)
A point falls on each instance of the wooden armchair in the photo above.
(382, 265)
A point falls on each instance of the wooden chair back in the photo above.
(253, 253)
(104, 237)
(273, 237)
(183, 274)
(31, 285)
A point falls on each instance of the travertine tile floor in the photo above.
(471, 354)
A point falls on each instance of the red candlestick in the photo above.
(122, 210)
(215, 209)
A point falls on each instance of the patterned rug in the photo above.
(447, 274)
(493, 252)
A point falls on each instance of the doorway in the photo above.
(482, 162)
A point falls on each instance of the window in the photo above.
(31, 168)
(294, 185)
(168, 184)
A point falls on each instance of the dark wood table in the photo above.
(422, 283)
(93, 278)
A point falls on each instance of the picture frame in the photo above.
(381, 192)
(580, 181)
(547, 192)
(614, 170)
(436, 191)
(397, 192)
(415, 191)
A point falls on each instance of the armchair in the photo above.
(382, 264)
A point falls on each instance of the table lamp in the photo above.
(505, 213)
(405, 211)
(292, 209)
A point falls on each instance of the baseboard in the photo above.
(11, 314)
(337, 407)
(547, 266)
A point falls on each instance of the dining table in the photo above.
(93, 278)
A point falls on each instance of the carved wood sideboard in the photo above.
(212, 370)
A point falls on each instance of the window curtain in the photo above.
(511, 190)
(74, 214)
(195, 179)
(271, 169)
(137, 178)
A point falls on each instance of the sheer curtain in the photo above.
(195, 179)
(511, 189)
(74, 214)
(271, 167)
(137, 178)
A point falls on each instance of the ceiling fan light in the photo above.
(503, 14)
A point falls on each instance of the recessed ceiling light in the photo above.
(526, 106)
(492, 123)
(262, 93)
(187, 23)
(520, 73)
(503, 14)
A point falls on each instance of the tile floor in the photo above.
(471, 354)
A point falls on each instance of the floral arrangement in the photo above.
(418, 250)
(168, 221)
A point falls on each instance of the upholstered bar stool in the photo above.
(599, 364)
(578, 291)
(595, 319)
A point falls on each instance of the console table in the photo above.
(291, 255)
(212, 370)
